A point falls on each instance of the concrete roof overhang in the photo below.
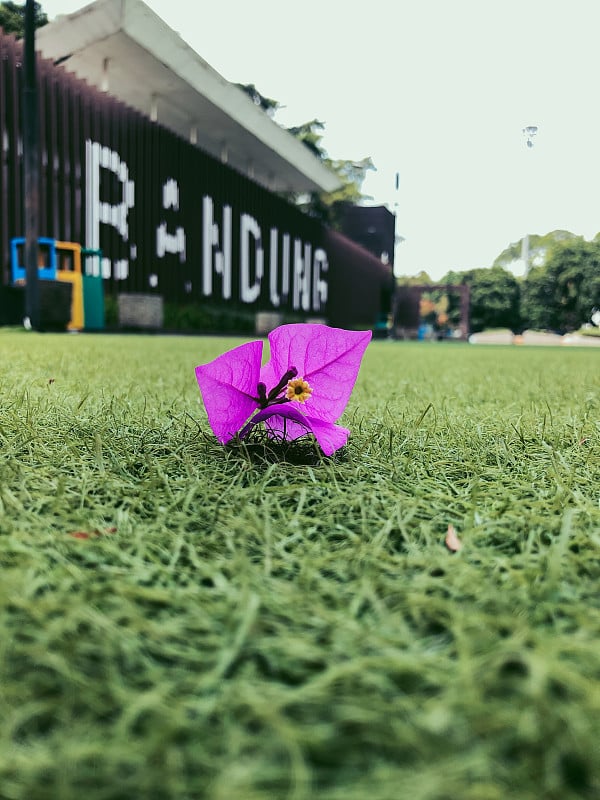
(124, 48)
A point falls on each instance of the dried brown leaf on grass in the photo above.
(89, 534)
(453, 543)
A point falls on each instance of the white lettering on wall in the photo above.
(297, 272)
(120, 269)
(171, 194)
(279, 268)
(250, 229)
(273, 293)
(213, 259)
(320, 267)
(100, 212)
(301, 276)
(285, 267)
(170, 242)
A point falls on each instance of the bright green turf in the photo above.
(267, 625)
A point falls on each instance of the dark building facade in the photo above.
(373, 227)
(168, 218)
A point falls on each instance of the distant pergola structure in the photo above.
(406, 308)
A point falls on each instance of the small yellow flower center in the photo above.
(298, 389)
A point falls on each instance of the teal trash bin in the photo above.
(93, 294)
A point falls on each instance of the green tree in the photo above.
(309, 133)
(494, 298)
(537, 300)
(267, 104)
(329, 206)
(422, 278)
(12, 17)
(539, 246)
(325, 206)
(560, 294)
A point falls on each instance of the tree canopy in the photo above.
(561, 293)
(12, 17)
(267, 104)
(539, 247)
(494, 294)
(326, 206)
(422, 278)
(558, 293)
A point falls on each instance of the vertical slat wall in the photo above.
(74, 116)
(11, 194)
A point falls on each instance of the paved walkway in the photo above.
(534, 338)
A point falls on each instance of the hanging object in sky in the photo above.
(529, 132)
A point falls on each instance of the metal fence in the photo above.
(168, 218)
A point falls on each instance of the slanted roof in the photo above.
(123, 47)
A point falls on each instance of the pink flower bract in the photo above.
(238, 393)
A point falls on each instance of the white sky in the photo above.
(436, 90)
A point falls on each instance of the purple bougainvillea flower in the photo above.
(303, 388)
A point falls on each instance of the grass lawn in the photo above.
(250, 624)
